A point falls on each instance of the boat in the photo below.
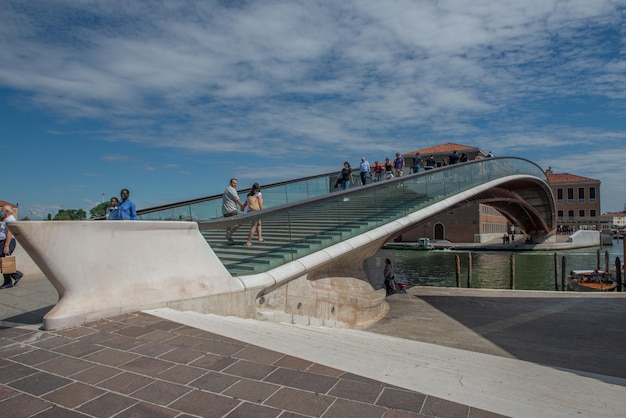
(591, 281)
(422, 244)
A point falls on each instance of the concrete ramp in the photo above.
(506, 386)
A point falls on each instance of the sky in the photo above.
(171, 99)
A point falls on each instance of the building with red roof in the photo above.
(577, 201)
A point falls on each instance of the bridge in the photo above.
(315, 266)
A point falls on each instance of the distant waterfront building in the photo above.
(614, 220)
(577, 201)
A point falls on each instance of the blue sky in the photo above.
(172, 98)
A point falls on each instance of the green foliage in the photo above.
(70, 215)
(99, 210)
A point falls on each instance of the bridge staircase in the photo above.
(306, 215)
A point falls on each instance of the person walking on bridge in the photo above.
(127, 208)
(230, 204)
(364, 170)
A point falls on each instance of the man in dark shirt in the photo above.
(430, 163)
(453, 158)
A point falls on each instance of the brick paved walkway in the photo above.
(137, 365)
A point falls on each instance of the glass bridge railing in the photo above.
(303, 217)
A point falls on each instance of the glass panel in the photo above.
(292, 230)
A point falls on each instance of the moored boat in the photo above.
(591, 281)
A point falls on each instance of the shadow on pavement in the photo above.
(26, 318)
(585, 334)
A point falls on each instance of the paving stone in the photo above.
(156, 336)
(107, 405)
(186, 330)
(39, 383)
(58, 412)
(15, 371)
(152, 349)
(185, 341)
(165, 325)
(73, 395)
(251, 390)
(342, 408)
(121, 342)
(14, 349)
(111, 357)
(325, 370)
(161, 393)
(52, 343)
(204, 404)
(126, 383)
(181, 355)
(35, 356)
(77, 349)
(77, 332)
(356, 391)
(213, 362)
(96, 374)
(14, 333)
(65, 366)
(23, 405)
(259, 355)
(142, 410)
(97, 337)
(133, 331)
(397, 413)
(300, 402)
(7, 392)
(250, 370)
(481, 413)
(247, 410)
(444, 408)
(214, 382)
(291, 362)
(148, 366)
(302, 380)
(182, 374)
(401, 399)
(219, 347)
(107, 325)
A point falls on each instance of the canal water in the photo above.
(534, 270)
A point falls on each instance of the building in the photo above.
(614, 220)
(577, 201)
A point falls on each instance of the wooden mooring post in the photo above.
(556, 272)
(469, 270)
(512, 271)
(563, 271)
(457, 267)
(618, 274)
(598, 259)
(607, 262)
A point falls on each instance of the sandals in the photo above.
(261, 241)
(248, 244)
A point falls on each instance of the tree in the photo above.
(99, 210)
(70, 215)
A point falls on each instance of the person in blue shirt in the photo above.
(113, 211)
(127, 209)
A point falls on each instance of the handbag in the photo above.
(7, 264)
